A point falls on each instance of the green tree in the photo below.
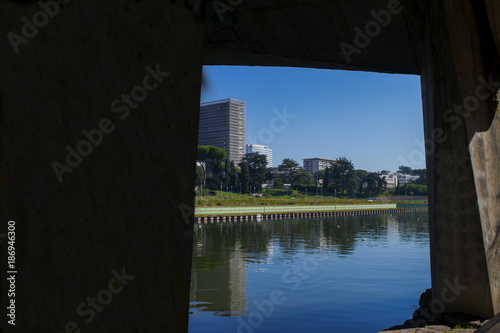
(244, 177)
(416, 189)
(257, 166)
(406, 170)
(291, 169)
(382, 183)
(217, 169)
(343, 175)
(299, 176)
(360, 176)
(217, 153)
(304, 178)
(423, 176)
(227, 174)
(269, 174)
(287, 163)
(326, 180)
(278, 183)
(232, 175)
(202, 154)
(375, 184)
(199, 175)
(216, 179)
(210, 155)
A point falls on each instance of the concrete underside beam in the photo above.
(380, 35)
(112, 226)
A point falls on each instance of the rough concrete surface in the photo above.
(99, 107)
(116, 213)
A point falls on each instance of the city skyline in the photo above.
(373, 119)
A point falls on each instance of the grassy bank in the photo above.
(277, 198)
(263, 210)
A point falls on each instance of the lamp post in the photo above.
(204, 180)
(221, 190)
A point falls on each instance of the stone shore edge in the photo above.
(288, 215)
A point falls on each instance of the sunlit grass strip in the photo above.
(219, 211)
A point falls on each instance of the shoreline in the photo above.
(235, 214)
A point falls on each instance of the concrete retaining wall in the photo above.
(215, 219)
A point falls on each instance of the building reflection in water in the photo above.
(221, 287)
(222, 252)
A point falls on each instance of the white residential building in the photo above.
(395, 179)
(403, 179)
(264, 150)
(312, 165)
(390, 178)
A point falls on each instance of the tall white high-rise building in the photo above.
(264, 150)
(223, 125)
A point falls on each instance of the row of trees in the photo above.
(341, 178)
(215, 170)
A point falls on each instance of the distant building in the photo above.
(223, 125)
(390, 178)
(403, 179)
(312, 165)
(263, 150)
(395, 179)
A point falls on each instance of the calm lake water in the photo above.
(343, 274)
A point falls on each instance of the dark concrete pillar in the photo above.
(91, 206)
(462, 143)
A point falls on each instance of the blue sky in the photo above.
(373, 119)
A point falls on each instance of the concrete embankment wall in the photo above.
(288, 215)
